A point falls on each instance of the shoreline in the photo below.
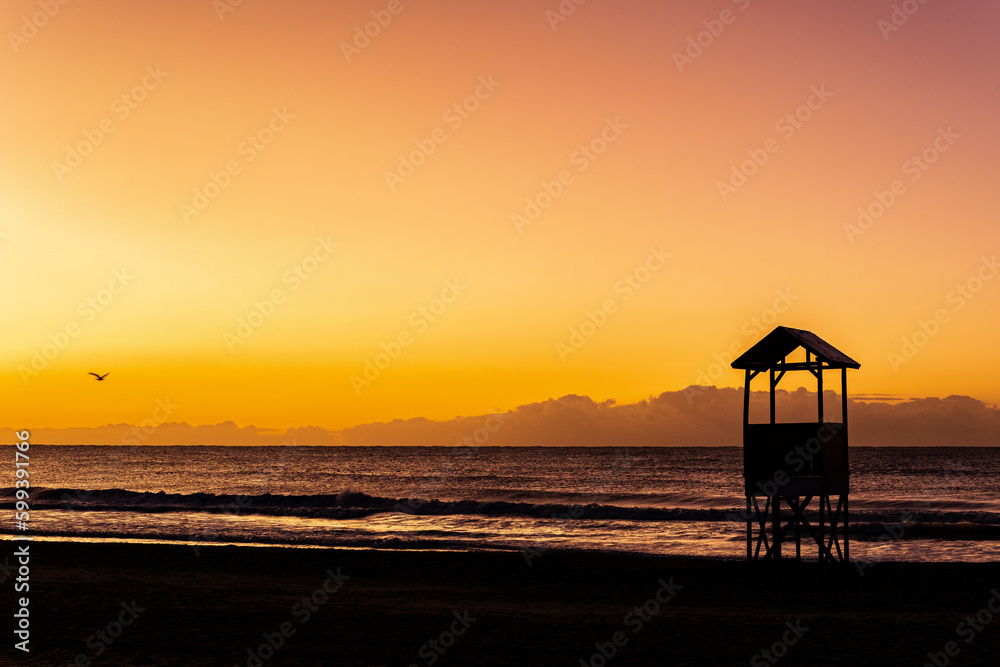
(375, 607)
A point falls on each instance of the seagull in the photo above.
(100, 377)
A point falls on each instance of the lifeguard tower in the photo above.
(791, 464)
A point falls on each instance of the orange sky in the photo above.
(119, 116)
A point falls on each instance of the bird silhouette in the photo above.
(101, 377)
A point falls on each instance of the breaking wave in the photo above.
(896, 519)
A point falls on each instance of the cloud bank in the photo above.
(696, 416)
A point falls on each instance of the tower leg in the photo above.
(776, 527)
(847, 538)
(749, 531)
(798, 536)
(822, 532)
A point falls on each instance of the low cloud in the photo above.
(696, 416)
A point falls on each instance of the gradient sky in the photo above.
(331, 122)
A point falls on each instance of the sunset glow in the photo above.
(266, 214)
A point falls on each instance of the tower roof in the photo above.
(778, 344)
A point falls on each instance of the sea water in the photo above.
(913, 504)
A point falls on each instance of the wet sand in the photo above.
(130, 604)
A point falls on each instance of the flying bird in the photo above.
(101, 377)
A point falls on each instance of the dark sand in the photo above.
(209, 609)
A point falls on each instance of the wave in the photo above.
(343, 505)
(931, 503)
(660, 500)
(350, 542)
(942, 521)
(930, 530)
(886, 524)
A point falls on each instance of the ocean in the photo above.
(907, 504)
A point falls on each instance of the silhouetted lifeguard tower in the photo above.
(792, 463)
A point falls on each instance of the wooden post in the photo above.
(822, 533)
(847, 464)
(772, 393)
(749, 531)
(847, 538)
(843, 418)
(819, 391)
(776, 527)
(776, 505)
(746, 423)
(746, 401)
(798, 537)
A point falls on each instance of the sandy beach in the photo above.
(132, 604)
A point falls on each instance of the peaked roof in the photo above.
(776, 345)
